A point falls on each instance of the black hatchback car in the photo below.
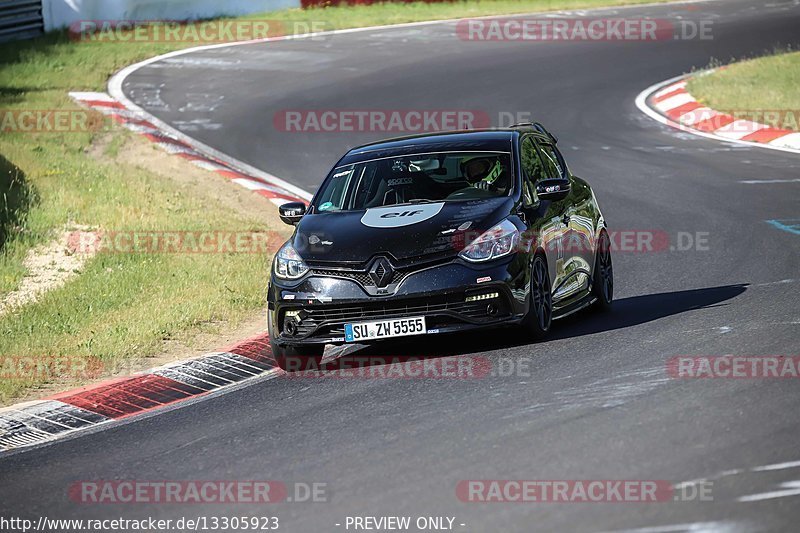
(435, 234)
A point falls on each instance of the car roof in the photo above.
(490, 140)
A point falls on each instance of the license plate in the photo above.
(384, 329)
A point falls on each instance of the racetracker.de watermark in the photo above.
(379, 120)
(393, 367)
(579, 491)
(50, 121)
(742, 121)
(197, 32)
(138, 491)
(734, 367)
(557, 29)
(575, 241)
(49, 367)
(174, 242)
(410, 121)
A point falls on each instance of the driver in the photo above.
(483, 173)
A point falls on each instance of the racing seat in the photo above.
(399, 188)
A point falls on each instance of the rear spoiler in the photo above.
(538, 127)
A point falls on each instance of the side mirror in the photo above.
(553, 190)
(292, 212)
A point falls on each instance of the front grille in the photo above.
(358, 276)
(362, 277)
(379, 310)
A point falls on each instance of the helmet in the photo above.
(481, 169)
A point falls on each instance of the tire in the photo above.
(603, 275)
(296, 358)
(540, 313)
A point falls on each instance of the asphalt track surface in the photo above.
(595, 401)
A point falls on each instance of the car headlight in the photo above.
(289, 264)
(499, 241)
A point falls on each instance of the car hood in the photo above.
(407, 233)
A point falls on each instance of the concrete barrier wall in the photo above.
(61, 13)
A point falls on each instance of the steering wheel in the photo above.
(471, 193)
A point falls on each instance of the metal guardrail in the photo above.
(20, 19)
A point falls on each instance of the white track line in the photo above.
(777, 466)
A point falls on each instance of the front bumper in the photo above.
(324, 304)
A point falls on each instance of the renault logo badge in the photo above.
(381, 272)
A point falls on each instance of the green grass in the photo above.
(121, 307)
(765, 90)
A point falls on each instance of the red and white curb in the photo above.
(670, 103)
(53, 418)
(142, 124)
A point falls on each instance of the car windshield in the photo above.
(419, 178)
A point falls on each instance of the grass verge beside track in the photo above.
(765, 90)
(122, 307)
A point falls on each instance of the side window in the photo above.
(552, 162)
(528, 192)
(532, 164)
(531, 170)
